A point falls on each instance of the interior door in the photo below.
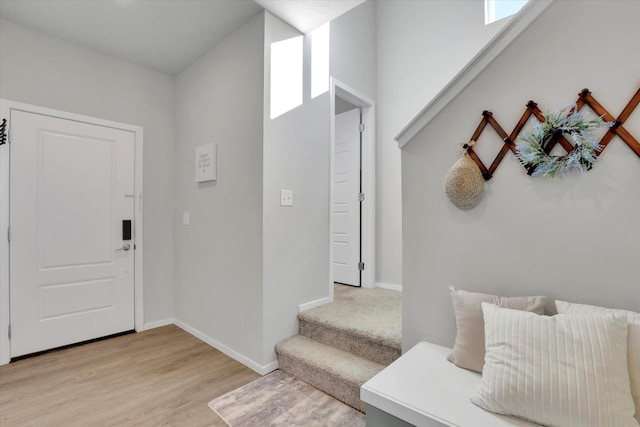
(346, 200)
(71, 272)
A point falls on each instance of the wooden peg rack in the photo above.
(584, 98)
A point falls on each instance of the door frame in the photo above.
(6, 106)
(368, 224)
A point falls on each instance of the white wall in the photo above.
(296, 238)
(44, 71)
(296, 157)
(218, 287)
(353, 49)
(421, 46)
(574, 238)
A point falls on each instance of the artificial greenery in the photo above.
(569, 121)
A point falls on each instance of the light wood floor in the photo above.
(160, 377)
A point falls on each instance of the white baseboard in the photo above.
(313, 304)
(391, 286)
(269, 368)
(158, 324)
(262, 370)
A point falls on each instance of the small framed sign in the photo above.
(206, 163)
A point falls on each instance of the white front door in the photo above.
(346, 202)
(71, 187)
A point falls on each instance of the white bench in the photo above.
(423, 389)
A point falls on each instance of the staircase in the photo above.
(342, 345)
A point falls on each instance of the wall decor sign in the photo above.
(206, 163)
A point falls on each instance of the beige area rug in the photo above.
(278, 399)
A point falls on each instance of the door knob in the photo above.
(125, 247)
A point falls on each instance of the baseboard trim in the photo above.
(269, 368)
(158, 324)
(313, 304)
(390, 286)
(262, 370)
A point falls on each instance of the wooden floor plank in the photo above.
(160, 377)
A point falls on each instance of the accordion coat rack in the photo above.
(584, 98)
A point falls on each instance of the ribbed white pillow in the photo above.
(561, 371)
(633, 341)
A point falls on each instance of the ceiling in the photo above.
(307, 15)
(164, 35)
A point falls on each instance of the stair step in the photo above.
(350, 340)
(331, 370)
(366, 322)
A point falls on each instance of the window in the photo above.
(286, 76)
(320, 60)
(494, 10)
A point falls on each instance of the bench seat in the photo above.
(423, 389)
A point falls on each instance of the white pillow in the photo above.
(633, 343)
(561, 371)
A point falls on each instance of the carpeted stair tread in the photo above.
(360, 346)
(370, 314)
(333, 371)
(350, 368)
(343, 344)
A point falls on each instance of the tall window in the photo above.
(286, 75)
(494, 10)
(320, 60)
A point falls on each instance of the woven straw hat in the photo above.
(464, 185)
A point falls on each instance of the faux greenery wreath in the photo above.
(530, 149)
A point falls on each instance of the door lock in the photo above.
(126, 229)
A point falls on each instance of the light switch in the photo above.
(286, 197)
(185, 218)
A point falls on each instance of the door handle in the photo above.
(125, 247)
